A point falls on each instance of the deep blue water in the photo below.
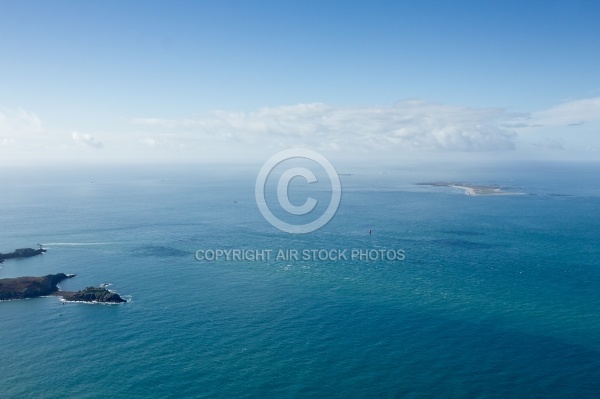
(498, 296)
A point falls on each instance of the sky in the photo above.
(230, 81)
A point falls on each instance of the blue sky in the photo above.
(204, 80)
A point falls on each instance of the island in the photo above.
(21, 253)
(91, 294)
(473, 190)
(34, 287)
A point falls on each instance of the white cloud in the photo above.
(14, 123)
(6, 142)
(86, 139)
(406, 125)
(568, 114)
(572, 126)
(150, 142)
(550, 144)
(412, 129)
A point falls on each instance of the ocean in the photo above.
(495, 297)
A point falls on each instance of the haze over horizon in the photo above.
(225, 81)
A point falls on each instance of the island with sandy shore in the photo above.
(471, 189)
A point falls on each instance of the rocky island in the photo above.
(21, 253)
(91, 294)
(471, 189)
(34, 287)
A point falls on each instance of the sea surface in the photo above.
(497, 296)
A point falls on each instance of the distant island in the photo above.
(471, 189)
(34, 287)
(21, 253)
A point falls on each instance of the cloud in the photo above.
(86, 140)
(414, 129)
(17, 122)
(550, 144)
(149, 142)
(410, 124)
(572, 113)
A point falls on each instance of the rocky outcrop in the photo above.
(30, 287)
(21, 253)
(33, 287)
(92, 294)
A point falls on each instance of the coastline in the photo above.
(468, 190)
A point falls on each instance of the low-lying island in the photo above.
(471, 189)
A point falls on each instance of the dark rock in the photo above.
(93, 294)
(22, 253)
(33, 287)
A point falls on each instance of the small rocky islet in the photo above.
(91, 294)
(21, 253)
(33, 287)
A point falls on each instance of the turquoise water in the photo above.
(497, 297)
